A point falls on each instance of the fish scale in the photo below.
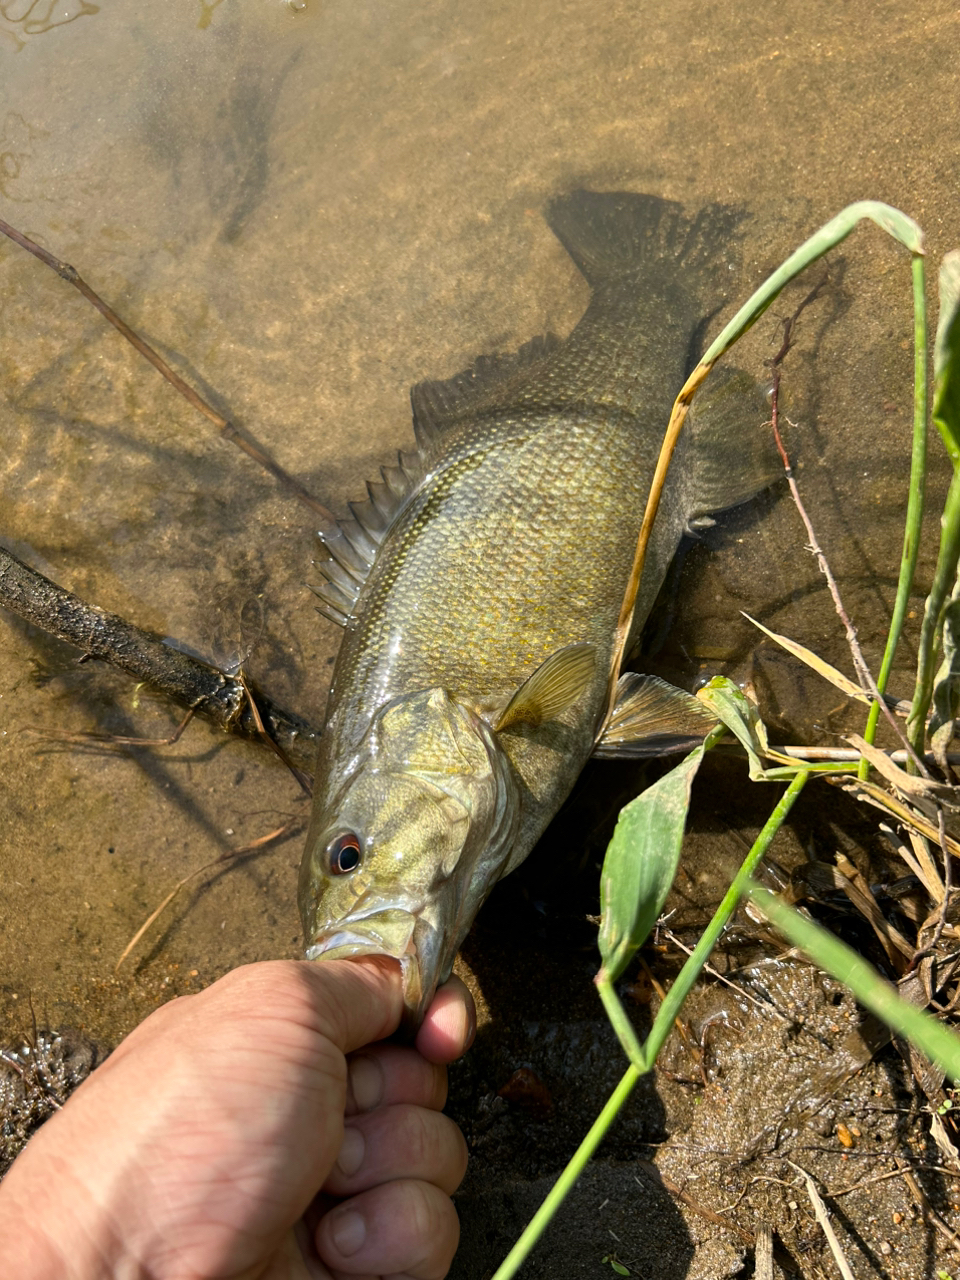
(476, 667)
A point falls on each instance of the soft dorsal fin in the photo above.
(438, 405)
(555, 685)
(652, 718)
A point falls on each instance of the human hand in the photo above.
(199, 1144)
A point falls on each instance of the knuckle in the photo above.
(422, 1139)
(434, 1229)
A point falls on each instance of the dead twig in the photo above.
(741, 991)
(863, 672)
(111, 739)
(925, 1207)
(242, 439)
(710, 1215)
(820, 1209)
(253, 847)
(304, 779)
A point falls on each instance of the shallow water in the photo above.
(307, 209)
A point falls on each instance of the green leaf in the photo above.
(641, 862)
(740, 716)
(946, 357)
(938, 1042)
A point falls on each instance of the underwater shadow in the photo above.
(543, 1065)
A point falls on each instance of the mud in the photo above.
(308, 211)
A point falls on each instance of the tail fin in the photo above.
(616, 234)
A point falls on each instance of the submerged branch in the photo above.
(190, 683)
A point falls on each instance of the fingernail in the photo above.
(471, 1025)
(366, 1082)
(348, 1231)
(352, 1151)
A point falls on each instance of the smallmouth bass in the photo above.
(479, 587)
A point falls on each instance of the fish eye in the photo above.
(343, 853)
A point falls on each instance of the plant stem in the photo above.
(636, 1053)
(643, 1057)
(943, 580)
(918, 476)
(668, 1011)
(564, 1184)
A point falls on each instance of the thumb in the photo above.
(356, 1002)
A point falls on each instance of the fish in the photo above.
(480, 581)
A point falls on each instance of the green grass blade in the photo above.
(915, 495)
(930, 1036)
(946, 415)
(892, 221)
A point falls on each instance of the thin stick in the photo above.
(849, 755)
(112, 739)
(863, 672)
(702, 1210)
(947, 887)
(304, 779)
(764, 1253)
(224, 857)
(741, 991)
(926, 1207)
(820, 1209)
(243, 440)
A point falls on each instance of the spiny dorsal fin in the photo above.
(555, 685)
(352, 547)
(354, 544)
(438, 405)
(652, 718)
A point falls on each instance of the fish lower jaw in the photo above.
(413, 941)
(338, 946)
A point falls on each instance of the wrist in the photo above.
(39, 1240)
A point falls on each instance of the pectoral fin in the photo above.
(555, 685)
(652, 718)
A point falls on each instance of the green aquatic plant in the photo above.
(644, 852)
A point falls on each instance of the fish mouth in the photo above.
(404, 936)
